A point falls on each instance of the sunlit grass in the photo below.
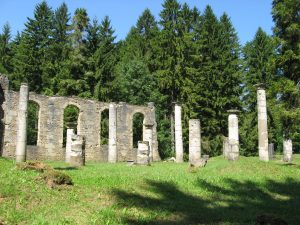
(223, 192)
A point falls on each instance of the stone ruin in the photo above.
(13, 115)
(50, 127)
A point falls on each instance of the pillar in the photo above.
(112, 136)
(22, 124)
(142, 157)
(233, 135)
(194, 140)
(262, 124)
(287, 150)
(148, 136)
(225, 147)
(70, 132)
(77, 155)
(178, 134)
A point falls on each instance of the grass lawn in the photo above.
(165, 193)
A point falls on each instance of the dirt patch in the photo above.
(37, 166)
(55, 178)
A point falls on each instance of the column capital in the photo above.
(260, 86)
(233, 111)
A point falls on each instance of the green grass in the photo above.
(165, 193)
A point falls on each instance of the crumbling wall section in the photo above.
(50, 127)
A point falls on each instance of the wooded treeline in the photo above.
(184, 56)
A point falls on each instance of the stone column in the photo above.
(142, 157)
(287, 150)
(70, 132)
(112, 136)
(77, 156)
(178, 134)
(233, 135)
(194, 140)
(225, 147)
(22, 124)
(262, 124)
(148, 136)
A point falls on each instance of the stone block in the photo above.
(77, 157)
(143, 153)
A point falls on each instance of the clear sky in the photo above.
(246, 15)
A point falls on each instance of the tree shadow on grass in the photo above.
(66, 168)
(291, 165)
(235, 203)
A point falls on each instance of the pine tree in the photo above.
(258, 56)
(5, 50)
(287, 31)
(75, 67)
(60, 49)
(105, 61)
(32, 55)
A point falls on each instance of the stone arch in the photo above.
(33, 124)
(138, 118)
(71, 119)
(104, 126)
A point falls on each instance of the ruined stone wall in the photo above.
(50, 127)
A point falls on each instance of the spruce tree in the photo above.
(32, 55)
(105, 61)
(258, 57)
(287, 31)
(5, 50)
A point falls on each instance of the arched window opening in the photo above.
(137, 129)
(71, 113)
(104, 127)
(33, 123)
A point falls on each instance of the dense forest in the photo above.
(184, 56)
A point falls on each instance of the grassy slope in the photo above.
(166, 193)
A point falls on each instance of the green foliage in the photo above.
(184, 56)
(137, 128)
(287, 28)
(71, 113)
(32, 126)
(104, 127)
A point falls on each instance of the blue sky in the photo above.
(246, 15)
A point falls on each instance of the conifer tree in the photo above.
(258, 57)
(32, 55)
(5, 50)
(105, 61)
(287, 31)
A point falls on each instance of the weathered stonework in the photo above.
(77, 156)
(233, 136)
(50, 126)
(142, 157)
(178, 134)
(287, 150)
(112, 139)
(262, 124)
(194, 140)
(22, 124)
(70, 133)
(225, 147)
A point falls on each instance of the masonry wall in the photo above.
(50, 126)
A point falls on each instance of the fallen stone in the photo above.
(198, 163)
